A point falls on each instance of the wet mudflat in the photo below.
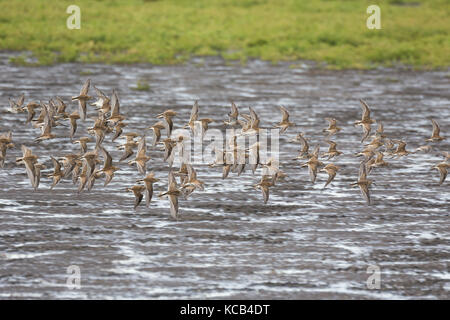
(307, 242)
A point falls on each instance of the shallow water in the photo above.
(307, 242)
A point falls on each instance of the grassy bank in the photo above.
(167, 31)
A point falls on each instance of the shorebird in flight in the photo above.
(60, 106)
(192, 178)
(232, 116)
(141, 157)
(204, 125)
(379, 162)
(365, 121)
(332, 151)
(83, 141)
(169, 150)
(172, 193)
(266, 182)
(37, 171)
(82, 98)
(251, 125)
(331, 169)
(332, 127)
(94, 176)
(31, 110)
(46, 131)
(5, 143)
(389, 146)
(156, 128)
(108, 167)
(272, 166)
(127, 148)
(73, 117)
(83, 176)
(363, 183)
(29, 160)
(284, 124)
(68, 163)
(115, 116)
(401, 149)
(313, 163)
(168, 123)
(57, 172)
(103, 102)
(138, 196)
(379, 133)
(76, 170)
(304, 152)
(442, 167)
(193, 118)
(99, 130)
(118, 130)
(149, 180)
(436, 131)
(16, 106)
(191, 183)
(90, 159)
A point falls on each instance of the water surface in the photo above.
(307, 242)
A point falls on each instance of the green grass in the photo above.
(170, 31)
(141, 85)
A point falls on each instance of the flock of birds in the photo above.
(81, 166)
